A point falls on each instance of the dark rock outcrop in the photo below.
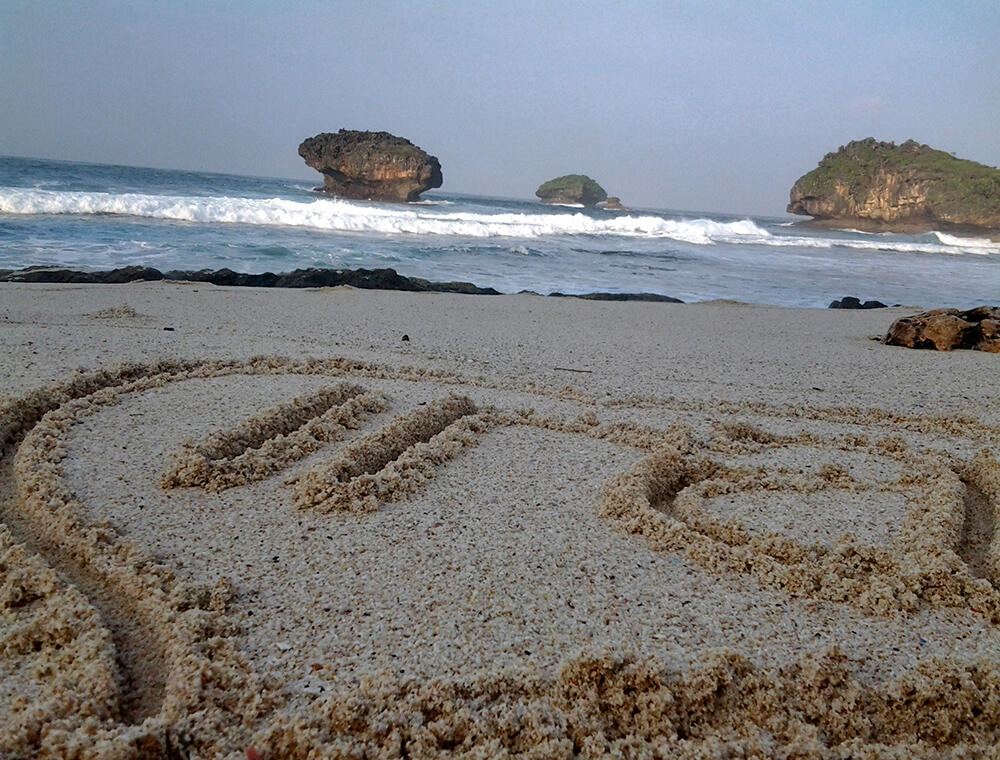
(373, 166)
(572, 189)
(369, 279)
(947, 329)
(613, 203)
(850, 302)
(380, 279)
(619, 297)
(55, 274)
(881, 186)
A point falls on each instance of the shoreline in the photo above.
(364, 279)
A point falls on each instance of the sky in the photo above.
(700, 106)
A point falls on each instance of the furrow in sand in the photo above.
(977, 532)
(979, 541)
(141, 658)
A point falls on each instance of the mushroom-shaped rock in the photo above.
(573, 189)
(373, 166)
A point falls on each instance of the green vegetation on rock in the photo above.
(887, 183)
(572, 188)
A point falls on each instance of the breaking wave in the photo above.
(985, 244)
(434, 219)
(345, 216)
(958, 246)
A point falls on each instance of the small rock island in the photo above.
(371, 166)
(884, 187)
(572, 189)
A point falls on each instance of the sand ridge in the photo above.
(385, 465)
(190, 692)
(272, 440)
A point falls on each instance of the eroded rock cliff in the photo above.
(885, 187)
(373, 166)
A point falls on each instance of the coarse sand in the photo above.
(241, 522)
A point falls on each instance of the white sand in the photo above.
(694, 482)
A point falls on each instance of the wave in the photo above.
(965, 244)
(431, 220)
(987, 245)
(431, 202)
(954, 246)
(346, 216)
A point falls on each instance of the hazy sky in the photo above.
(714, 106)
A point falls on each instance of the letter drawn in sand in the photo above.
(269, 442)
(393, 461)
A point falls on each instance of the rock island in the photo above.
(572, 188)
(373, 166)
(884, 187)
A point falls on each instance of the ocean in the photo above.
(88, 216)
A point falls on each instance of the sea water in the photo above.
(88, 216)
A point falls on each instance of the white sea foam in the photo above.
(431, 202)
(345, 216)
(987, 245)
(956, 245)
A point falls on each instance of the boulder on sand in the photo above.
(947, 329)
(851, 302)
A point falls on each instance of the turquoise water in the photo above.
(98, 217)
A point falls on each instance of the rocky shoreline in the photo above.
(984, 337)
(380, 279)
(368, 279)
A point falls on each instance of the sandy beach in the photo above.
(345, 523)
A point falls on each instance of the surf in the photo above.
(348, 216)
